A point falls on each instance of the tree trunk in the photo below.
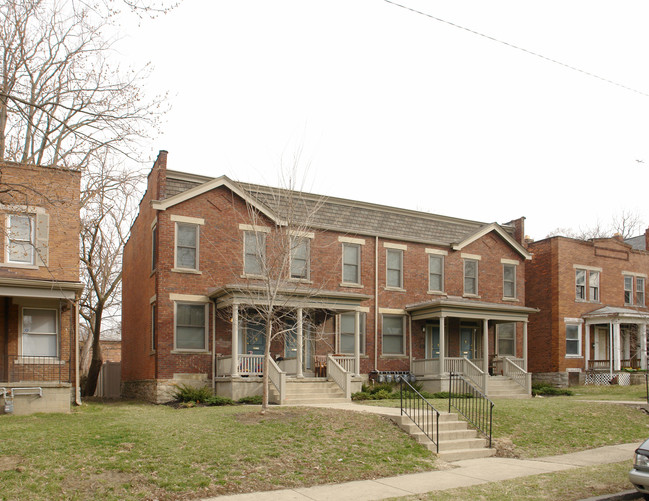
(265, 379)
(97, 359)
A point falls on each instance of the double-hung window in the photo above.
(573, 340)
(393, 335)
(20, 239)
(40, 336)
(300, 257)
(254, 252)
(154, 247)
(394, 268)
(191, 326)
(628, 289)
(593, 285)
(347, 323)
(509, 280)
(187, 246)
(506, 334)
(435, 273)
(351, 263)
(639, 291)
(471, 277)
(580, 284)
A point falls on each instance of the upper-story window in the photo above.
(20, 239)
(351, 263)
(300, 257)
(394, 268)
(639, 291)
(509, 280)
(471, 276)
(593, 285)
(254, 252)
(187, 246)
(435, 273)
(628, 289)
(580, 283)
(154, 246)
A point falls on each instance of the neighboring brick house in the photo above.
(40, 288)
(377, 288)
(593, 310)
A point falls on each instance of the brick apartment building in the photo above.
(367, 288)
(39, 287)
(593, 309)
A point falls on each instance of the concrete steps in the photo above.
(309, 391)
(456, 440)
(504, 387)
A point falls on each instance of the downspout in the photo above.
(376, 302)
(410, 343)
(77, 382)
(6, 328)
(214, 347)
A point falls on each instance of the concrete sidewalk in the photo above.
(460, 474)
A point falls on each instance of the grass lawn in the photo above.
(141, 451)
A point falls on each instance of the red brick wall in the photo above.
(551, 287)
(220, 263)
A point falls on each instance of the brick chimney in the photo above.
(519, 229)
(159, 170)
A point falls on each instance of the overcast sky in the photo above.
(394, 107)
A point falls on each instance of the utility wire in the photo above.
(493, 39)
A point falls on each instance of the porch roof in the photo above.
(608, 314)
(44, 289)
(288, 297)
(469, 308)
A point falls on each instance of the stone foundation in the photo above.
(555, 379)
(161, 391)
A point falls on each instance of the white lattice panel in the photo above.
(604, 379)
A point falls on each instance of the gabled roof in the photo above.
(338, 214)
(498, 229)
(612, 312)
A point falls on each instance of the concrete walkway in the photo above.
(459, 474)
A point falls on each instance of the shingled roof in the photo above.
(343, 215)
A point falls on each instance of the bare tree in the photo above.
(109, 206)
(626, 223)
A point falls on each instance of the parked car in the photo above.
(639, 475)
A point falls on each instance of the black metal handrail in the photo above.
(34, 369)
(420, 411)
(471, 403)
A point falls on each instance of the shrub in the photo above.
(361, 395)
(547, 389)
(217, 401)
(251, 400)
(186, 393)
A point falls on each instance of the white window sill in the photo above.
(188, 352)
(511, 299)
(351, 285)
(472, 296)
(437, 293)
(574, 356)
(186, 270)
(301, 280)
(19, 265)
(395, 289)
(251, 276)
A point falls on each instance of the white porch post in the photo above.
(485, 352)
(442, 346)
(234, 371)
(643, 346)
(618, 346)
(299, 343)
(357, 343)
(587, 346)
(525, 345)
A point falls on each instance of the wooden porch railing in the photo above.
(249, 365)
(517, 374)
(340, 376)
(278, 378)
(604, 365)
(348, 363)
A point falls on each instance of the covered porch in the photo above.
(615, 339)
(301, 327)
(485, 342)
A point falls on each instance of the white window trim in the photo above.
(437, 252)
(401, 254)
(351, 240)
(579, 337)
(177, 268)
(256, 231)
(498, 340)
(443, 258)
(307, 239)
(477, 274)
(25, 358)
(632, 290)
(599, 291)
(390, 245)
(206, 327)
(585, 285)
(475, 257)
(635, 291)
(362, 333)
(359, 273)
(509, 261)
(254, 227)
(187, 219)
(588, 268)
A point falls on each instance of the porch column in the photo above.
(442, 346)
(299, 343)
(618, 346)
(234, 371)
(485, 354)
(525, 345)
(643, 346)
(357, 343)
(587, 346)
(610, 348)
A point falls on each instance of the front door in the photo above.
(255, 338)
(466, 342)
(601, 343)
(432, 340)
